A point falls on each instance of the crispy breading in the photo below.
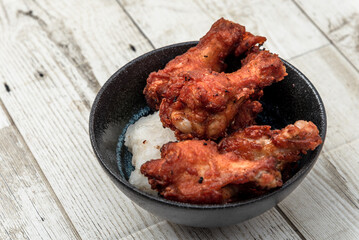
(246, 115)
(194, 171)
(199, 171)
(249, 40)
(203, 104)
(198, 100)
(284, 145)
(221, 40)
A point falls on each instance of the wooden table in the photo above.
(54, 57)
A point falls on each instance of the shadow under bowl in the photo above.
(292, 99)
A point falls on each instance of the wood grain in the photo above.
(190, 20)
(326, 205)
(29, 208)
(48, 100)
(339, 21)
(4, 121)
(338, 84)
(269, 224)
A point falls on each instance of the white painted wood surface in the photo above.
(339, 21)
(29, 208)
(326, 205)
(193, 18)
(51, 89)
(55, 55)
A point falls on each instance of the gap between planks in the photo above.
(143, 229)
(290, 223)
(325, 35)
(309, 51)
(39, 170)
(135, 23)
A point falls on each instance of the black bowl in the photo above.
(121, 98)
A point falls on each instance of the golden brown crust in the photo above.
(284, 145)
(194, 171)
(246, 115)
(223, 37)
(198, 171)
(198, 102)
(203, 104)
(248, 42)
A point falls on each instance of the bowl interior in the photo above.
(120, 101)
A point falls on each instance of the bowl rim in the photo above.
(304, 170)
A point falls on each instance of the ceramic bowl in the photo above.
(121, 98)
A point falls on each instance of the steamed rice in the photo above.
(144, 139)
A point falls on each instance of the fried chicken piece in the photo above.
(248, 42)
(198, 171)
(246, 115)
(223, 37)
(203, 104)
(284, 145)
(194, 171)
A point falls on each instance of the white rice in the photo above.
(144, 139)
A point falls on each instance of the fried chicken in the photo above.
(221, 40)
(249, 41)
(194, 171)
(198, 171)
(203, 104)
(198, 100)
(246, 115)
(284, 145)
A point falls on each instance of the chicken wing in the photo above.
(198, 171)
(249, 40)
(194, 171)
(203, 104)
(246, 115)
(284, 145)
(223, 37)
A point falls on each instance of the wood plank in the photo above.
(338, 84)
(189, 20)
(97, 38)
(269, 226)
(339, 21)
(4, 120)
(326, 205)
(29, 208)
(48, 95)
